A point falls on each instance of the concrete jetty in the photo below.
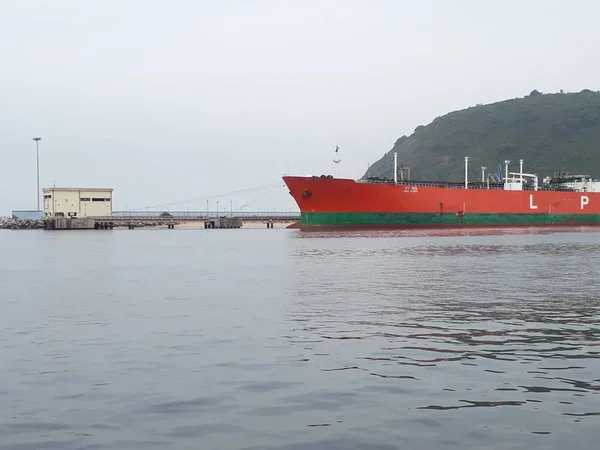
(69, 223)
(223, 222)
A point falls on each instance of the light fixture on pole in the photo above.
(336, 160)
(37, 152)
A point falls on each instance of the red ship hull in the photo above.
(344, 203)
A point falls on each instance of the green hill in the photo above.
(551, 132)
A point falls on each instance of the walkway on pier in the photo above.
(199, 216)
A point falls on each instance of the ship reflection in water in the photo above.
(440, 232)
(452, 320)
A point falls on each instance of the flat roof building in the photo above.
(77, 202)
(25, 214)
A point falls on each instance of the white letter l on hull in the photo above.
(531, 205)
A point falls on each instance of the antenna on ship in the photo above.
(466, 172)
(336, 160)
(395, 167)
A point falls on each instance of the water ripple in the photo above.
(290, 340)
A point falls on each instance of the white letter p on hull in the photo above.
(584, 200)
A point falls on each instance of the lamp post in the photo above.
(37, 152)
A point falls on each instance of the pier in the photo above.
(133, 220)
(198, 216)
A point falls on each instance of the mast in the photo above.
(395, 167)
(521, 170)
(466, 172)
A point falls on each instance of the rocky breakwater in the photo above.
(143, 224)
(8, 223)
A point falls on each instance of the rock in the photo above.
(8, 223)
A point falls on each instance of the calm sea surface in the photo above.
(281, 339)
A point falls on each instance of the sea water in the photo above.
(284, 339)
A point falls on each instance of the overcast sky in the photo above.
(166, 101)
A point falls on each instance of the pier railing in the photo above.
(200, 215)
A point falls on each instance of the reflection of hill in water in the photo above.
(469, 321)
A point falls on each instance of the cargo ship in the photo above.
(515, 199)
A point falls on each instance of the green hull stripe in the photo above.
(343, 219)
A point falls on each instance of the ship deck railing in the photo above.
(461, 185)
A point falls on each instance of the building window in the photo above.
(85, 199)
(97, 199)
